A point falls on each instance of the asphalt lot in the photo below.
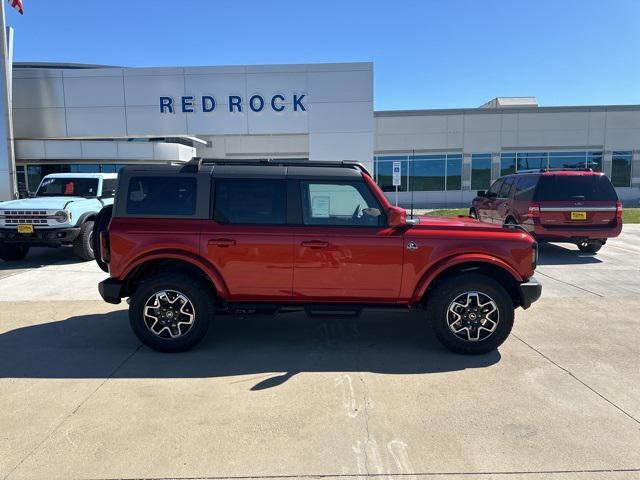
(291, 397)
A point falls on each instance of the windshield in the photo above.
(578, 187)
(68, 187)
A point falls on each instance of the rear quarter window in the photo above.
(160, 196)
(575, 188)
(526, 186)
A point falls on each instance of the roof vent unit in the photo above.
(511, 102)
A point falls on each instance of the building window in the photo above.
(480, 171)
(507, 163)
(454, 172)
(384, 172)
(621, 169)
(428, 173)
(532, 160)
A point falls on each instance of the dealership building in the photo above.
(84, 118)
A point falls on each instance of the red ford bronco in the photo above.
(184, 242)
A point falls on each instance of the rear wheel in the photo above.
(470, 313)
(590, 246)
(12, 253)
(83, 244)
(171, 312)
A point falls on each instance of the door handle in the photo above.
(314, 244)
(221, 242)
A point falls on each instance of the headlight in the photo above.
(62, 216)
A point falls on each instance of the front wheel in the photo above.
(590, 246)
(170, 312)
(12, 253)
(83, 244)
(470, 313)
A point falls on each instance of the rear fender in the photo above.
(471, 258)
(212, 273)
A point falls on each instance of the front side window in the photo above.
(339, 204)
(161, 196)
(506, 187)
(495, 188)
(621, 169)
(250, 201)
(68, 187)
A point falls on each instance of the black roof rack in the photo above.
(555, 169)
(195, 163)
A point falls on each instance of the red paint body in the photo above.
(552, 220)
(306, 264)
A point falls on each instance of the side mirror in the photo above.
(481, 193)
(396, 217)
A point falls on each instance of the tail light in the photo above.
(534, 210)
(619, 209)
(534, 255)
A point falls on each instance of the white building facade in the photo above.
(84, 118)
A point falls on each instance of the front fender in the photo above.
(449, 262)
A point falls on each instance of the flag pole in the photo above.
(8, 188)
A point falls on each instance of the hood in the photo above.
(40, 203)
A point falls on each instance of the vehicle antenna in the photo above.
(413, 159)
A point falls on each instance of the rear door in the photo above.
(576, 200)
(247, 240)
(344, 251)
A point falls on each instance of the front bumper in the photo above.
(530, 291)
(50, 237)
(111, 290)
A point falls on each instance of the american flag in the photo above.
(17, 4)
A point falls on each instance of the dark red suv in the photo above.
(574, 206)
(186, 242)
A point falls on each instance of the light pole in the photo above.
(8, 188)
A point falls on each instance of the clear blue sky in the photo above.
(426, 54)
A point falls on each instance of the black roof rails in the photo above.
(555, 169)
(196, 162)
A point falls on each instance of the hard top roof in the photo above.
(258, 169)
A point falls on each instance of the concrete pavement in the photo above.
(291, 397)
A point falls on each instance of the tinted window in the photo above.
(340, 204)
(109, 187)
(495, 188)
(161, 196)
(427, 173)
(249, 201)
(526, 186)
(68, 187)
(507, 163)
(454, 172)
(575, 188)
(506, 187)
(384, 173)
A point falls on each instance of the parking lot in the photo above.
(291, 397)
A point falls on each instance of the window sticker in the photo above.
(320, 206)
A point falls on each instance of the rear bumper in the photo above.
(575, 235)
(111, 290)
(530, 291)
(53, 237)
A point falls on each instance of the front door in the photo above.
(248, 240)
(344, 252)
(485, 212)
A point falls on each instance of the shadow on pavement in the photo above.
(554, 254)
(41, 257)
(101, 346)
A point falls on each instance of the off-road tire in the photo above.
(198, 292)
(442, 296)
(82, 245)
(12, 253)
(100, 225)
(590, 246)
